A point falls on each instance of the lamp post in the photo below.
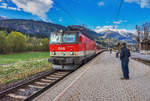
(138, 37)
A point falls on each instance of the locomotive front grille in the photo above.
(60, 60)
(67, 54)
(65, 61)
(61, 54)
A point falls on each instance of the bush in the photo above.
(34, 44)
(45, 44)
(16, 42)
(3, 41)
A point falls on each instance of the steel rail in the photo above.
(3, 92)
(146, 62)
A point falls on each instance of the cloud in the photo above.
(5, 6)
(104, 28)
(142, 3)
(36, 7)
(100, 29)
(120, 21)
(117, 22)
(101, 3)
(60, 20)
(13, 8)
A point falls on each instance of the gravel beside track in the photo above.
(28, 90)
(27, 79)
(99, 80)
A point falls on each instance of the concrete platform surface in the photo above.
(99, 80)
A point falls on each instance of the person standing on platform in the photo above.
(119, 50)
(124, 57)
(110, 50)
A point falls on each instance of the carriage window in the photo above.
(69, 38)
(55, 38)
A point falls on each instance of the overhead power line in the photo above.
(119, 9)
(118, 12)
(67, 12)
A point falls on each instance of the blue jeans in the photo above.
(125, 69)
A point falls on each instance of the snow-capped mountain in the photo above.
(118, 34)
(2, 17)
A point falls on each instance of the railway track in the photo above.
(29, 90)
(143, 61)
(32, 88)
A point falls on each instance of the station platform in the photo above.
(99, 80)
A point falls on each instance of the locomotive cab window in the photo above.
(69, 38)
(55, 38)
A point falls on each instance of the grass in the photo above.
(26, 64)
(22, 70)
(18, 57)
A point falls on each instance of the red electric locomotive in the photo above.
(71, 47)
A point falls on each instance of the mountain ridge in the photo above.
(31, 27)
(43, 29)
(2, 17)
(121, 35)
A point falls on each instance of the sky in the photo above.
(94, 14)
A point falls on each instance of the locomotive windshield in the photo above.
(57, 38)
(69, 38)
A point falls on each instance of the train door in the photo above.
(85, 47)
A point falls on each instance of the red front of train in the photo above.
(71, 48)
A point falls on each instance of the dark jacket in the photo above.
(125, 54)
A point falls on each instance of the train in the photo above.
(71, 48)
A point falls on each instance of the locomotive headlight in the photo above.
(53, 52)
(72, 53)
